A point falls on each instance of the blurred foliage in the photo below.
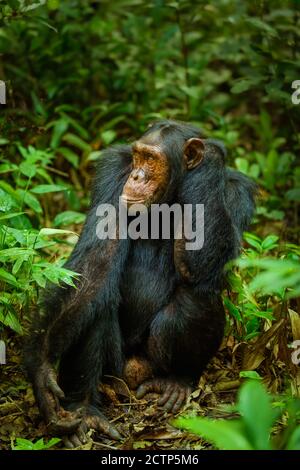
(247, 432)
(81, 75)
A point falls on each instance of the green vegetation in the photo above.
(81, 75)
(248, 432)
(25, 444)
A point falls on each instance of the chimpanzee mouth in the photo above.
(132, 201)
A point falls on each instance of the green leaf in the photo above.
(94, 156)
(31, 201)
(269, 242)
(28, 169)
(55, 231)
(59, 129)
(278, 274)
(52, 275)
(254, 401)
(294, 440)
(10, 254)
(69, 155)
(7, 277)
(262, 25)
(241, 86)
(17, 265)
(226, 435)
(77, 142)
(11, 215)
(39, 278)
(250, 374)
(108, 136)
(53, 441)
(25, 444)
(68, 218)
(47, 188)
(234, 311)
(242, 165)
(10, 319)
(253, 240)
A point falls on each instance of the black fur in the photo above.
(130, 298)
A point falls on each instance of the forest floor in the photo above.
(141, 422)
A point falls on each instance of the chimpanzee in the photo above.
(147, 310)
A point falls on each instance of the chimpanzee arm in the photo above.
(66, 312)
(183, 337)
(228, 200)
(206, 184)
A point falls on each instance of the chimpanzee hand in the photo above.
(48, 394)
(92, 419)
(174, 392)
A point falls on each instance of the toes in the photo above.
(74, 438)
(180, 401)
(55, 388)
(64, 426)
(72, 441)
(173, 394)
(103, 425)
(143, 389)
(77, 439)
(165, 397)
(81, 433)
(67, 442)
(184, 393)
(171, 401)
(150, 386)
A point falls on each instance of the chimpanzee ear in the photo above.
(193, 152)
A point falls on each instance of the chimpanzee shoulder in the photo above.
(112, 169)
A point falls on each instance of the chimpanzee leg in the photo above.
(184, 336)
(97, 351)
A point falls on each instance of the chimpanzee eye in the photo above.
(149, 157)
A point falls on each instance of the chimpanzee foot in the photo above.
(93, 419)
(64, 422)
(174, 392)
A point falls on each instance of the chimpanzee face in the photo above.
(149, 177)
(154, 158)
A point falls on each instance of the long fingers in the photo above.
(181, 399)
(65, 422)
(101, 424)
(165, 396)
(72, 441)
(98, 423)
(149, 386)
(171, 401)
(54, 387)
(174, 394)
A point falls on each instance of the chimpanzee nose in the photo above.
(138, 174)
